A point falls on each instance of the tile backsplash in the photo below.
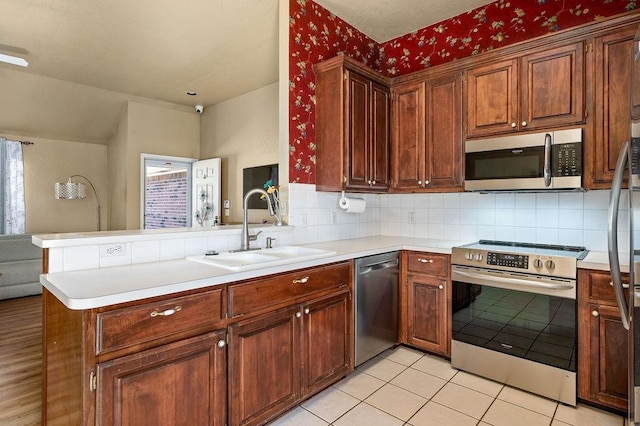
(578, 218)
(553, 218)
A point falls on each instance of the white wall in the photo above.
(243, 131)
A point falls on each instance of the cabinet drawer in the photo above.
(600, 287)
(428, 263)
(260, 294)
(133, 325)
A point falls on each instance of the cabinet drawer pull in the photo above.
(595, 313)
(306, 310)
(166, 313)
(302, 280)
(441, 287)
(298, 314)
(221, 343)
(623, 285)
(425, 260)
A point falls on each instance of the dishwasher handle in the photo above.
(385, 264)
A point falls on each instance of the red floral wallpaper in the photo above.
(315, 34)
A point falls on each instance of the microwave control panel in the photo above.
(505, 259)
(567, 159)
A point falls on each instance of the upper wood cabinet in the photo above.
(610, 77)
(352, 127)
(539, 90)
(427, 140)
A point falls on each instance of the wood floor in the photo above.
(20, 361)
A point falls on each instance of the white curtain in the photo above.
(13, 208)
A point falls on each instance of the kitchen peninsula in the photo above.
(122, 341)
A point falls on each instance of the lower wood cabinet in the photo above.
(236, 354)
(279, 358)
(182, 383)
(602, 353)
(425, 299)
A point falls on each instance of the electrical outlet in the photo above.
(226, 212)
(412, 218)
(108, 250)
(227, 204)
(334, 217)
(303, 220)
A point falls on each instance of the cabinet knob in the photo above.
(373, 182)
(306, 310)
(441, 287)
(524, 124)
(513, 125)
(421, 260)
(221, 343)
(419, 182)
(302, 280)
(298, 314)
(595, 313)
(426, 182)
(167, 312)
(369, 182)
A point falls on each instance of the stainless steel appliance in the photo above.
(628, 164)
(376, 305)
(533, 162)
(514, 315)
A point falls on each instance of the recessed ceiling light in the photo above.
(13, 60)
(192, 93)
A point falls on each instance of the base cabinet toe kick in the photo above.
(234, 354)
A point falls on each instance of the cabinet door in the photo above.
(181, 383)
(607, 369)
(428, 313)
(612, 74)
(357, 130)
(327, 341)
(552, 90)
(444, 133)
(380, 149)
(492, 99)
(408, 169)
(264, 366)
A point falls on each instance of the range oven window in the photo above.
(537, 327)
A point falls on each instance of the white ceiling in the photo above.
(383, 20)
(88, 57)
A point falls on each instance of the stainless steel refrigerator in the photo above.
(628, 165)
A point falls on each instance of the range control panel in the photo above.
(533, 263)
(506, 259)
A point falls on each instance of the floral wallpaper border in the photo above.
(315, 34)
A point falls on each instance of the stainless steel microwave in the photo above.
(529, 162)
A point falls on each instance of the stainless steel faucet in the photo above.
(246, 237)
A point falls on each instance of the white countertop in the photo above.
(95, 288)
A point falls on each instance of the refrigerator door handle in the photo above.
(614, 261)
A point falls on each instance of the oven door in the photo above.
(525, 316)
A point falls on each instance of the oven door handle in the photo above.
(488, 278)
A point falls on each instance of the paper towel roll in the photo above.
(352, 205)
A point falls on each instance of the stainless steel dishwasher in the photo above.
(376, 305)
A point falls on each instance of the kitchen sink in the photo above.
(247, 260)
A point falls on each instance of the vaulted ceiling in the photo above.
(87, 58)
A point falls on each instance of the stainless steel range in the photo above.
(514, 315)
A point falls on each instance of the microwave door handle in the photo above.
(612, 235)
(547, 160)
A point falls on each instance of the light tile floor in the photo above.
(403, 386)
